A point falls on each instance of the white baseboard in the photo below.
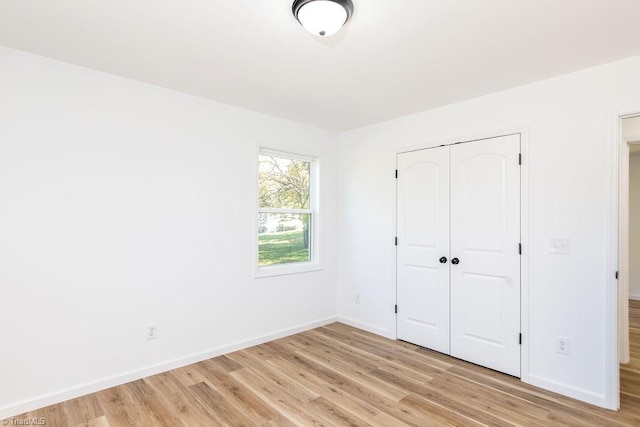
(367, 327)
(635, 297)
(570, 391)
(116, 380)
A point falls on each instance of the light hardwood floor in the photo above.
(337, 375)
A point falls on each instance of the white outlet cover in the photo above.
(562, 345)
(152, 331)
(559, 246)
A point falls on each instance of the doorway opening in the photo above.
(629, 255)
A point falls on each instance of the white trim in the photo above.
(317, 249)
(567, 390)
(635, 297)
(612, 374)
(633, 139)
(394, 264)
(288, 154)
(116, 380)
(524, 259)
(415, 146)
(523, 131)
(285, 269)
(286, 211)
(367, 327)
(623, 254)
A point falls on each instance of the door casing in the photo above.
(615, 154)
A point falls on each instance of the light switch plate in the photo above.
(559, 246)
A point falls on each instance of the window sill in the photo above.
(286, 269)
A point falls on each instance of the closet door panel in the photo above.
(485, 237)
(423, 240)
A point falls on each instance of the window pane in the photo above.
(283, 238)
(283, 183)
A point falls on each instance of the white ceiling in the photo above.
(395, 57)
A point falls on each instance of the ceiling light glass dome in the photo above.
(322, 17)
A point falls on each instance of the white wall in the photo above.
(123, 204)
(634, 226)
(568, 121)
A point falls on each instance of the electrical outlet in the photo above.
(562, 345)
(152, 331)
(357, 298)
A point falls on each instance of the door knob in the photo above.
(443, 260)
(455, 261)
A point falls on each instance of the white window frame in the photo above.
(314, 264)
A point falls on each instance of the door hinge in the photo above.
(617, 275)
(520, 158)
(396, 240)
(396, 308)
(396, 173)
(520, 338)
(520, 248)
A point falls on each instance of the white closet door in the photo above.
(485, 237)
(423, 239)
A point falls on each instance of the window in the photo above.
(287, 215)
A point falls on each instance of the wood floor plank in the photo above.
(499, 405)
(296, 393)
(140, 391)
(226, 364)
(365, 393)
(223, 411)
(436, 414)
(355, 376)
(82, 410)
(95, 422)
(336, 415)
(120, 409)
(182, 405)
(337, 375)
(161, 413)
(367, 360)
(52, 414)
(256, 410)
(406, 358)
(189, 375)
(327, 390)
(147, 399)
(441, 397)
(290, 407)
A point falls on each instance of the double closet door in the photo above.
(458, 255)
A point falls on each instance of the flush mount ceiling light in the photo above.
(322, 17)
